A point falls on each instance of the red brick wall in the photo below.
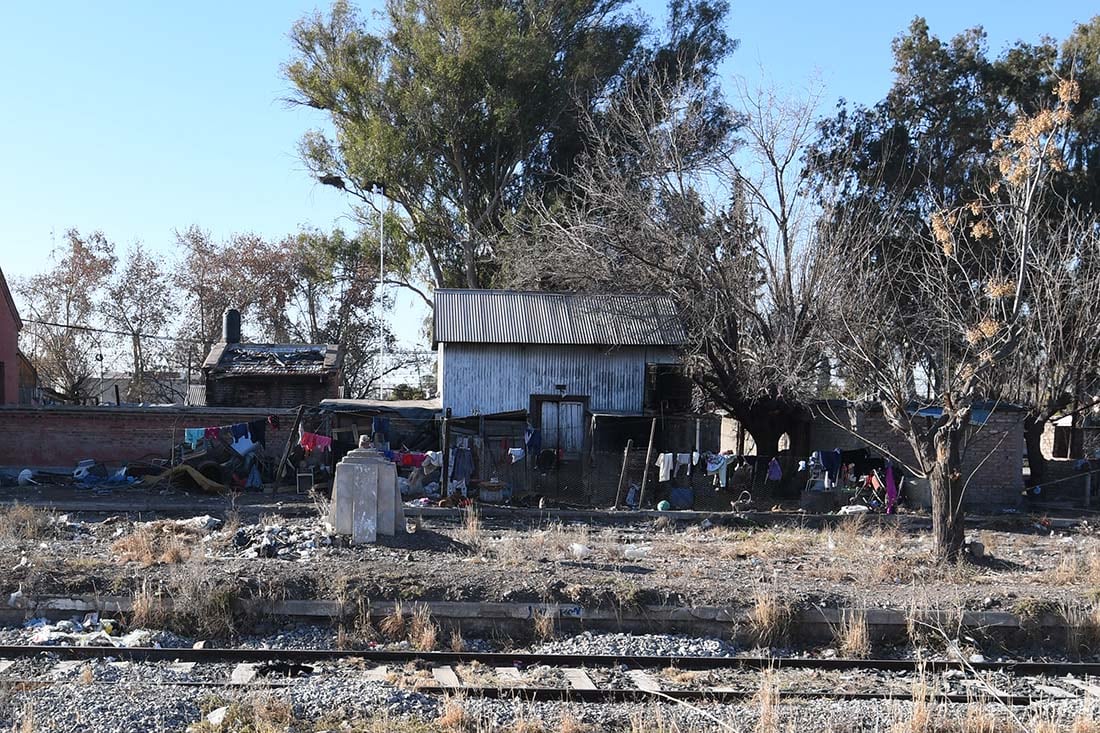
(61, 436)
(9, 353)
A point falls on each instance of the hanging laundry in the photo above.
(532, 438)
(891, 489)
(664, 466)
(775, 473)
(683, 461)
(243, 445)
(239, 430)
(194, 436)
(257, 431)
(462, 464)
(717, 464)
(313, 441)
(516, 454)
(434, 458)
(380, 425)
(211, 433)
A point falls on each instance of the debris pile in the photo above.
(91, 630)
(281, 542)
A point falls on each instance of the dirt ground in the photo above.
(474, 558)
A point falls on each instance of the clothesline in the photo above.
(254, 431)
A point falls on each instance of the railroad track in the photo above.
(273, 667)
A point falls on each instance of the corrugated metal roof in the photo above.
(513, 317)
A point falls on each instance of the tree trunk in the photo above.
(1033, 441)
(945, 480)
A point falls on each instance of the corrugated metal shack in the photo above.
(567, 378)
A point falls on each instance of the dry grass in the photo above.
(528, 725)
(854, 638)
(27, 720)
(423, 633)
(543, 621)
(151, 545)
(1085, 724)
(270, 714)
(1082, 627)
(202, 605)
(770, 615)
(87, 675)
(457, 643)
(569, 724)
(1076, 567)
(454, 716)
(921, 712)
(147, 609)
(978, 719)
(767, 701)
(470, 534)
(22, 522)
(393, 626)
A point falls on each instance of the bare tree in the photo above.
(959, 308)
(665, 203)
(138, 302)
(63, 304)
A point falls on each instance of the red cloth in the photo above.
(211, 433)
(313, 441)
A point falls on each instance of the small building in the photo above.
(269, 375)
(557, 356)
(585, 373)
(10, 326)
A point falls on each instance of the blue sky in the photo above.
(138, 118)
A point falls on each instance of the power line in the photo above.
(91, 329)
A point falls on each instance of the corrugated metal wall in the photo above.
(489, 378)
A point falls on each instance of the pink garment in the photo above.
(891, 490)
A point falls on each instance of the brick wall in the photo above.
(284, 392)
(995, 452)
(60, 436)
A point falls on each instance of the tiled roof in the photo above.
(273, 359)
(514, 317)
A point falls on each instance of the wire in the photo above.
(110, 331)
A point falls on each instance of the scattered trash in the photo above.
(217, 716)
(636, 552)
(26, 478)
(663, 506)
(853, 509)
(205, 523)
(283, 543)
(580, 552)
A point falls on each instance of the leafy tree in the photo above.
(68, 353)
(457, 109)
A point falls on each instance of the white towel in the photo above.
(664, 466)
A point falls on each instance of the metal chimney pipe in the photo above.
(231, 326)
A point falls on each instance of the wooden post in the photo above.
(1088, 489)
(622, 474)
(289, 445)
(444, 472)
(648, 457)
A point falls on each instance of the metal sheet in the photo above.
(489, 378)
(512, 317)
